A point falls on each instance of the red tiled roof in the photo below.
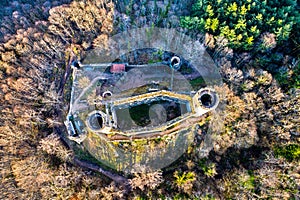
(117, 68)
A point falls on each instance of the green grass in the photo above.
(197, 83)
(184, 69)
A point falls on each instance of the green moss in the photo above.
(159, 54)
(290, 152)
(152, 61)
(180, 196)
(140, 198)
(83, 155)
(250, 182)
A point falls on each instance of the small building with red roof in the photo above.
(117, 68)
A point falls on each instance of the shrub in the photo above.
(242, 22)
(209, 169)
(239, 184)
(184, 181)
(53, 146)
(290, 78)
(146, 179)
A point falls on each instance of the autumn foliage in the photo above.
(32, 58)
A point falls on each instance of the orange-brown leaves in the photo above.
(234, 106)
(101, 41)
(53, 146)
(9, 56)
(87, 16)
(31, 173)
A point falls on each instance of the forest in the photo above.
(254, 44)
